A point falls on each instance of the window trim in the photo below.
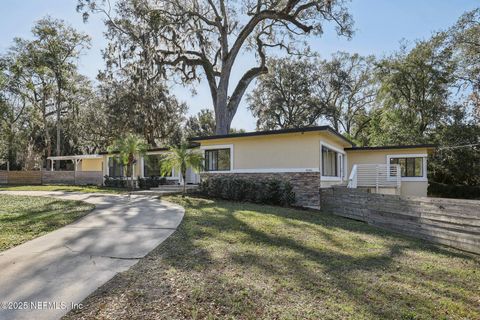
(215, 160)
(342, 175)
(219, 146)
(424, 156)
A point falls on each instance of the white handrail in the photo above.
(375, 176)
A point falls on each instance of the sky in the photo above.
(380, 25)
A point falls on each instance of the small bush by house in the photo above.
(151, 182)
(141, 183)
(115, 182)
(120, 182)
(267, 191)
(453, 191)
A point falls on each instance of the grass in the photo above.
(23, 218)
(64, 188)
(244, 261)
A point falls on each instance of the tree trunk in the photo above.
(184, 175)
(130, 175)
(11, 157)
(222, 121)
(48, 142)
(58, 153)
(57, 164)
(222, 124)
(225, 106)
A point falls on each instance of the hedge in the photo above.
(142, 183)
(265, 191)
(453, 191)
(115, 182)
(151, 182)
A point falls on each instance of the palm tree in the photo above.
(128, 148)
(179, 159)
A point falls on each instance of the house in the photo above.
(104, 164)
(317, 157)
(309, 158)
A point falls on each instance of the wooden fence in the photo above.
(24, 177)
(3, 177)
(51, 177)
(451, 222)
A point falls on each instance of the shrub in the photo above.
(266, 191)
(112, 182)
(151, 182)
(453, 191)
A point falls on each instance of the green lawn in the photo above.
(24, 218)
(245, 261)
(87, 189)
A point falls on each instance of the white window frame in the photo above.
(219, 146)
(424, 157)
(343, 174)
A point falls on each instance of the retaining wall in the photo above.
(452, 222)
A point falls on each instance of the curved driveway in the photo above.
(61, 268)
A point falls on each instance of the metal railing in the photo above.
(375, 176)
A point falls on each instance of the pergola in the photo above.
(75, 159)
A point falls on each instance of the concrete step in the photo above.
(156, 192)
(165, 190)
(174, 187)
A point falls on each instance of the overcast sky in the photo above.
(380, 25)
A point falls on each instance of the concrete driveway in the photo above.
(45, 277)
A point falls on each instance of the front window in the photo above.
(329, 162)
(152, 166)
(217, 160)
(409, 166)
(115, 167)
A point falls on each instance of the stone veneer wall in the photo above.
(305, 184)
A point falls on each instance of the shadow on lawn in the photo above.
(380, 283)
(57, 209)
(238, 260)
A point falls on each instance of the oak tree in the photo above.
(285, 97)
(60, 46)
(347, 89)
(194, 39)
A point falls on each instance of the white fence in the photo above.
(375, 176)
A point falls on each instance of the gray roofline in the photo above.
(410, 146)
(272, 132)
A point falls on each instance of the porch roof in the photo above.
(76, 157)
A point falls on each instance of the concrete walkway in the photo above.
(48, 275)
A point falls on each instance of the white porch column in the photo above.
(142, 167)
(51, 163)
(105, 165)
